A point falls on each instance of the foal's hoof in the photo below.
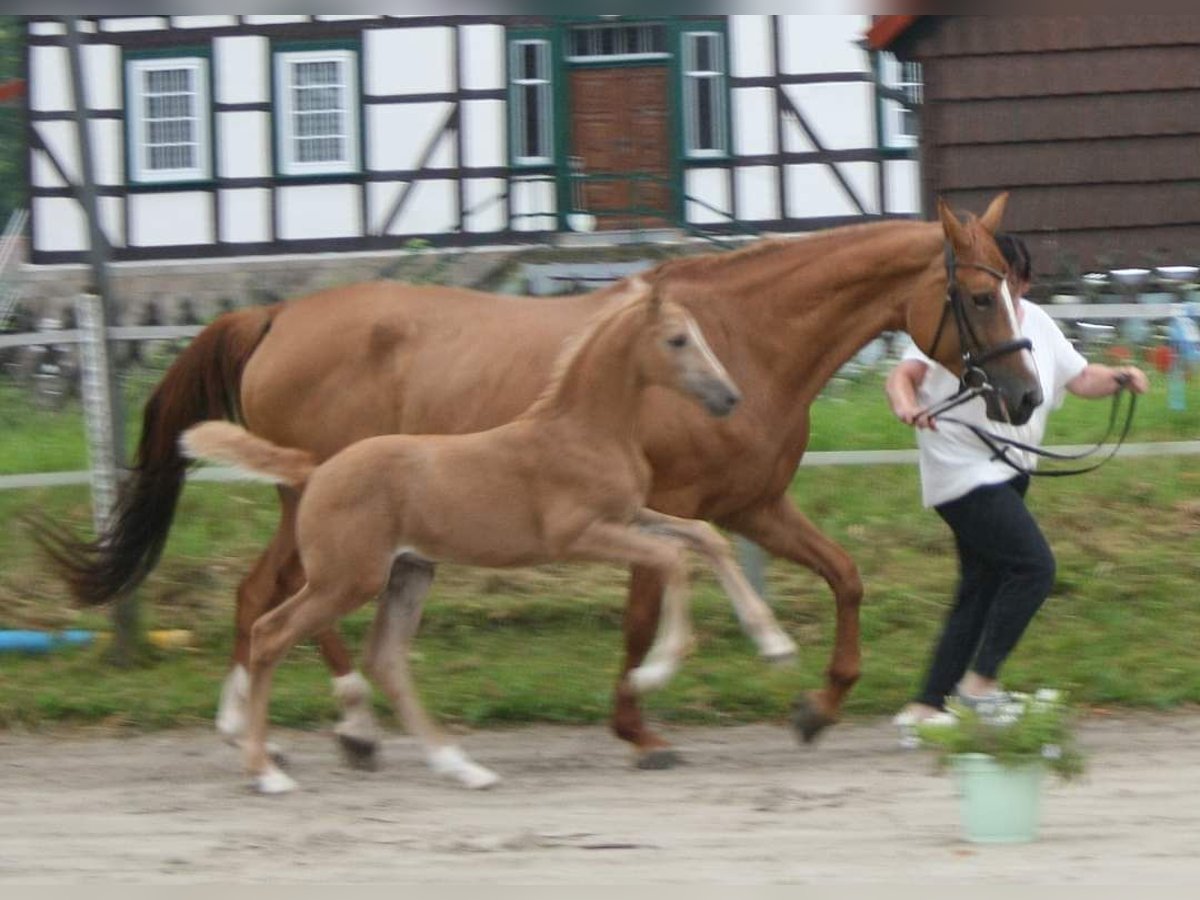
(273, 781)
(651, 676)
(658, 758)
(359, 753)
(780, 651)
(808, 720)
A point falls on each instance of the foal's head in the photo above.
(673, 353)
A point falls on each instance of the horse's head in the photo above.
(675, 354)
(971, 327)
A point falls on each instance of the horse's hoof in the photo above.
(658, 758)
(359, 753)
(808, 721)
(273, 782)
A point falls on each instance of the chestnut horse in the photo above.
(566, 480)
(321, 372)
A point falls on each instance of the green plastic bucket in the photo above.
(1000, 804)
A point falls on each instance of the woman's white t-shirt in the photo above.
(953, 460)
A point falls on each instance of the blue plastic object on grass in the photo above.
(36, 642)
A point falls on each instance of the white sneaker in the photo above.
(908, 722)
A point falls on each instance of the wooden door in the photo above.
(620, 129)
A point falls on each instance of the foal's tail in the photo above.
(202, 383)
(233, 445)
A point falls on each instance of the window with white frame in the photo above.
(901, 93)
(704, 94)
(532, 102)
(317, 111)
(168, 114)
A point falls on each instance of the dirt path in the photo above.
(750, 807)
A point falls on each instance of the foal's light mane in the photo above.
(576, 342)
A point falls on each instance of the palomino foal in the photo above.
(567, 480)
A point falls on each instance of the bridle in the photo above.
(974, 376)
(974, 382)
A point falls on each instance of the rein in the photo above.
(1000, 444)
(974, 382)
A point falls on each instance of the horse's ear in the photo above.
(642, 289)
(995, 212)
(955, 231)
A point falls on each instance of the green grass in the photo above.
(544, 644)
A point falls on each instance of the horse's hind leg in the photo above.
(643, 609)
(396, 621)
(782, 530)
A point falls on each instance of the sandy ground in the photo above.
(750, 806)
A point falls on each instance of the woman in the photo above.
(1006, 567)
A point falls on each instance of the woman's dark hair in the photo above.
(1016, 254)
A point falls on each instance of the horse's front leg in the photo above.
(782, 530)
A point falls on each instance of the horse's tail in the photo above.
(233, 445)
(202, 383)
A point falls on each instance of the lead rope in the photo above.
(1000, 444)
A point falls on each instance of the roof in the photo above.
(885, 30)
(12, 90)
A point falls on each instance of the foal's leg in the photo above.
(386, 662)
(277, 575)
(619, 543)
(782, 530)
(309, 611)
(756, 617)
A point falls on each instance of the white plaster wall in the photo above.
(49, 79)
(842, 115)
(139, 23)
(757, 193)
(903, 186)
(203, 21)
(824, 44)
(275, 20)
(42, 174)
(245, 215)
(108, 150)
(170, 219)
(308, 212)
(535, 197)
(244, 144)
(397, 135)
(813, 191)
(483, 57)
(59, 138)
(432, 208)
(754, 121)
(102, 76)
(409, 60)
(486, 193)
(112, 219)
(750, 46)
(58, 224)
(711, 186)
(242, 69)
(485, 132)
